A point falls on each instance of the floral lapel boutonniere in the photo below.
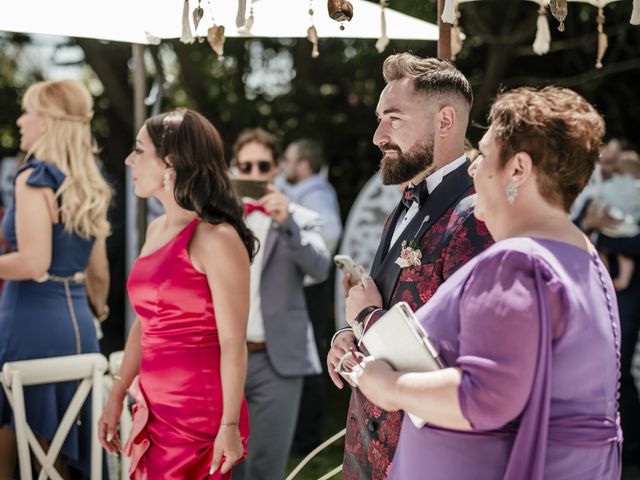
(410, 255)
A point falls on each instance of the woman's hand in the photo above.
(227, 448)
(342, 345)
(109, 421)
(376, 380)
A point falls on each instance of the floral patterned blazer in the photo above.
(448, 235)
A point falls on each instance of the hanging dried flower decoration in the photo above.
(559, 11)
(383, 41)
(312, 33)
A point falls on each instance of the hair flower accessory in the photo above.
(410, 255)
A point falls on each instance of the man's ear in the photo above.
(446, 120)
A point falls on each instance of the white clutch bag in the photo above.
(397, 338)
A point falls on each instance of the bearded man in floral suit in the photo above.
(423, 114)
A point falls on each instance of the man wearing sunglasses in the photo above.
(280, 337)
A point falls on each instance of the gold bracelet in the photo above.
(229, 424)
(104, 315)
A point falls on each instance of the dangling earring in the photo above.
(512, 192)
(166, 181)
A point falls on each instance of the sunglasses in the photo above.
(264, 166)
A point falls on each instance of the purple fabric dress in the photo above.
(533, 324)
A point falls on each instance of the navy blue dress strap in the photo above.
(44, 174)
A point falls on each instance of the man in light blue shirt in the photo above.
(303, 165)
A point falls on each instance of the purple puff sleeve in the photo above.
(499, 337)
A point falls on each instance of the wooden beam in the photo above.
(444, 39)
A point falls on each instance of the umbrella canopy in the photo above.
(146, 21)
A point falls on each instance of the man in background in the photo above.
(280, 337)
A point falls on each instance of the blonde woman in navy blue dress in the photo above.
(57, 226)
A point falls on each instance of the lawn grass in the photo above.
(331, 457)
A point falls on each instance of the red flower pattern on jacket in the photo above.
(449, 243)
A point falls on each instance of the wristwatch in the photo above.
(357, 329)
(358, 324)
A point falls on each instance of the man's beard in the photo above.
(406, 166)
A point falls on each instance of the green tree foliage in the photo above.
(277, 85)
(11, 87)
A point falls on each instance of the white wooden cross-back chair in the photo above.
(88, 369)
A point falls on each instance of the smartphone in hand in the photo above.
(348, 265)
(255, 189)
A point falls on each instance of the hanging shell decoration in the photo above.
(215, 36)
(198, 13)
(312, 36)
(559, 11)
(241, 13)
(340, 11)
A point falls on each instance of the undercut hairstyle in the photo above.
(312, 152)
(560, 131)
(431, 76)
(257, 135)
(186, 141)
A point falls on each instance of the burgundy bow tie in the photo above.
(253, 207)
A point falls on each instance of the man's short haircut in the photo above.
(311, 151)
(257, 135)
(431, 76)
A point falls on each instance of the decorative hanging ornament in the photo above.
(559, 11)
(241, 14)
(198, 13)
(340, 11)
(542, 43)
(383, 41)
(449, 11)
(215, 36)
(312, 36)
(187, 36)
(635, 14)
(457, 38)
(603, 41)
(246, 28)
(312, 33)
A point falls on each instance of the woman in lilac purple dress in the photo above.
(529, 328)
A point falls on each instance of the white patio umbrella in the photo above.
(146, 21)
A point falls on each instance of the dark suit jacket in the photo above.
(448, 235)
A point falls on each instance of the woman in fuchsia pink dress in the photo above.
(190, 291)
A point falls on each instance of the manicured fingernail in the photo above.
(212, 470)
(109, 437)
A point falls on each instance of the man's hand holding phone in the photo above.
(276, 204)
(352, 272)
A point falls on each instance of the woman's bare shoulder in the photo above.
(219, 240)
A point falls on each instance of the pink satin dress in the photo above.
(178, 392)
